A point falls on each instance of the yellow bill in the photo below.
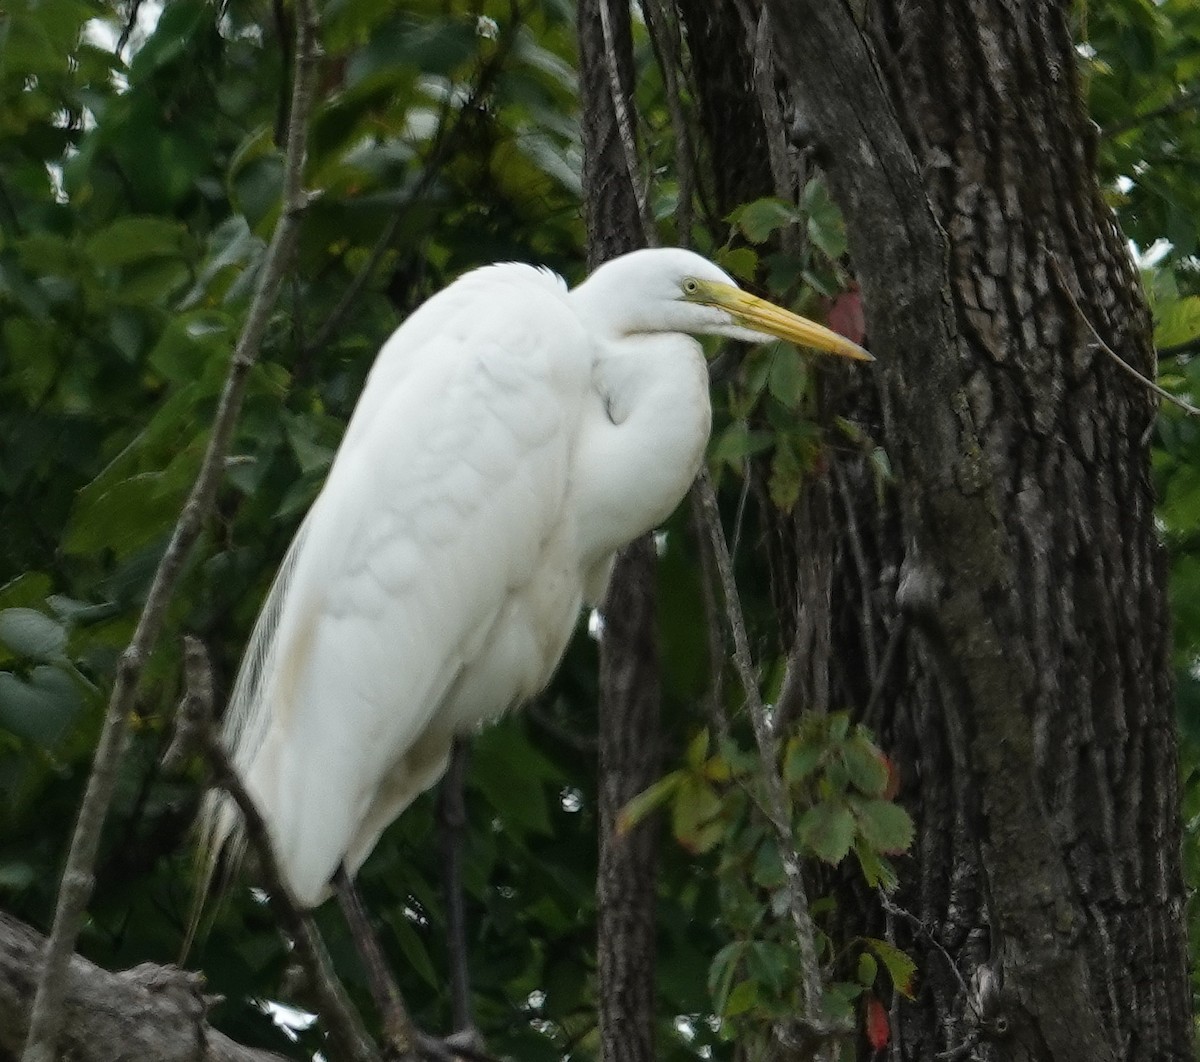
(765, 317)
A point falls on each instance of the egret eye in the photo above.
(690, 286)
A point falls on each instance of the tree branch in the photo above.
(78, 877)
(150, 1012)
(195, 733)
(776, 809)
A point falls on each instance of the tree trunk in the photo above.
(629, 739)
(1029, 701)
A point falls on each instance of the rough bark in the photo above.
(1030, 704)
(629, 739)
(149, 1012)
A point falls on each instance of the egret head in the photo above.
(672, 290)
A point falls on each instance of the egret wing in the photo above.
(438, 510)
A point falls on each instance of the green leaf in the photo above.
(877, 871)
(839, 726)
(134, 239)
(647, 800)
(742, 998)
(788, 380)
(693, 810)
(787, 475)
(737, 442)
(768, 866)
(801, 759)
(697, 751)
(740, 262)
(885, 826)
(1177, 321)
(825, 226)
(867, 969)
(40, 710)
(513, 776)
(759, 219)
(413, 948)
(33, 634)
(125, 517)
(828, 830)
(899, 966)
(865, 765)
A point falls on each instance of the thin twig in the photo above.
(768, 753)
(664, 34)
(713, 698)
(893, 908)
(1187, 407)
(78, 877)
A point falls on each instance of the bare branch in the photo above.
(195, 732)
(77, 882)
(664, 34)
(1162, 392)
(777, 810)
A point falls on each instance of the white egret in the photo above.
(512, 436)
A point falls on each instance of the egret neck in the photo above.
(644, 437)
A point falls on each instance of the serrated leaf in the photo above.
(759, 219)
(825, 226)
(867, 969)
(865, 765)
(801, 759)
(768, 867)
(884, 826)
(828, 830)
(33, 634)
(899, 966)
(740, 262)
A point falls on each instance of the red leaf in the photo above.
(846, 315)
(876, 1025)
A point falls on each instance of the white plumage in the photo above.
(511, 437)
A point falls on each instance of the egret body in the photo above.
(511, 437)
